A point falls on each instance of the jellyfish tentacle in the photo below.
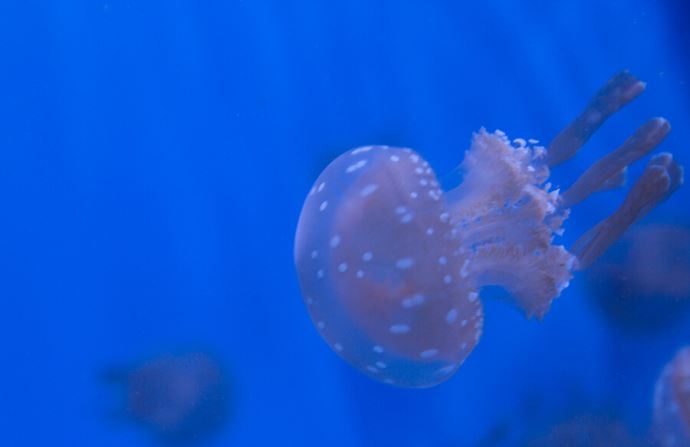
(660, 178)
(610, 168)
(617, 180)
(675, 171)
(617, 92)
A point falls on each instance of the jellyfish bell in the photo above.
(391, 266)
(672, 402)
(381, 267)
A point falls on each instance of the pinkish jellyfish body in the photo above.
(672, 403)
(391, 266)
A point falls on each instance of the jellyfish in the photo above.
(178, 398)
(589, 430)
(391, 266)
(643, 282)
(672, 403)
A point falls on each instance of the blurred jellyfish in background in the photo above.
(672, 403)
(391, 266)
(569, 418)
(643, 282)
(588, 430)
(181, 398)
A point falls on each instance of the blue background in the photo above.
(154, 157)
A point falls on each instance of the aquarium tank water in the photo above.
(362, 223)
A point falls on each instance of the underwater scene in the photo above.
(362, 223)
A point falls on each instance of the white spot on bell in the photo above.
(404, 263)
(366, 257)
(429, 353)
(359, 150)
(446, 369)
(413, 301)
(355, 166)
(335, 241)
(369, 190)
(407, 218)
(399, 329)
(342, 268)
(463, 271)
(451, 316)
(323, 206)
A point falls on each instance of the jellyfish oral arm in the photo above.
(610, 168)
(506, 218)
(618, 91)
(660, 178)
(533, 281)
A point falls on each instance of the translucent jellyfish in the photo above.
(589, 430)
(177, 397)
(391, 266)
(672, 403)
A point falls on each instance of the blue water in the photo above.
(154, 157)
